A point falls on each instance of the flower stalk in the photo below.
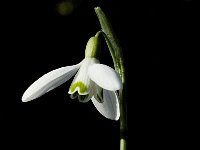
(117, 56)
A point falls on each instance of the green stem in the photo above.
(116, 53)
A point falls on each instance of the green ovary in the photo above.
(83, 88)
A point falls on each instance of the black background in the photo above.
(36, 40)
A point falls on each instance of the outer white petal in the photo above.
(105, 77)
(110, 106)
(49, 81)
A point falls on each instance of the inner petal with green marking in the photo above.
(82, 83)
(79, 86)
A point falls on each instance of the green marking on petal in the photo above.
(83, 88)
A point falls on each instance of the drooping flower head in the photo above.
(93, 80)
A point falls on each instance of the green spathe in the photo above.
(83, 88)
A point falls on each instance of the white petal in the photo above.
(110, 106)
(49, 81)
(105, 77)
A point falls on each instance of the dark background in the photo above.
(37, 39)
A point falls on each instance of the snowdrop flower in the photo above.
(93, 81)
